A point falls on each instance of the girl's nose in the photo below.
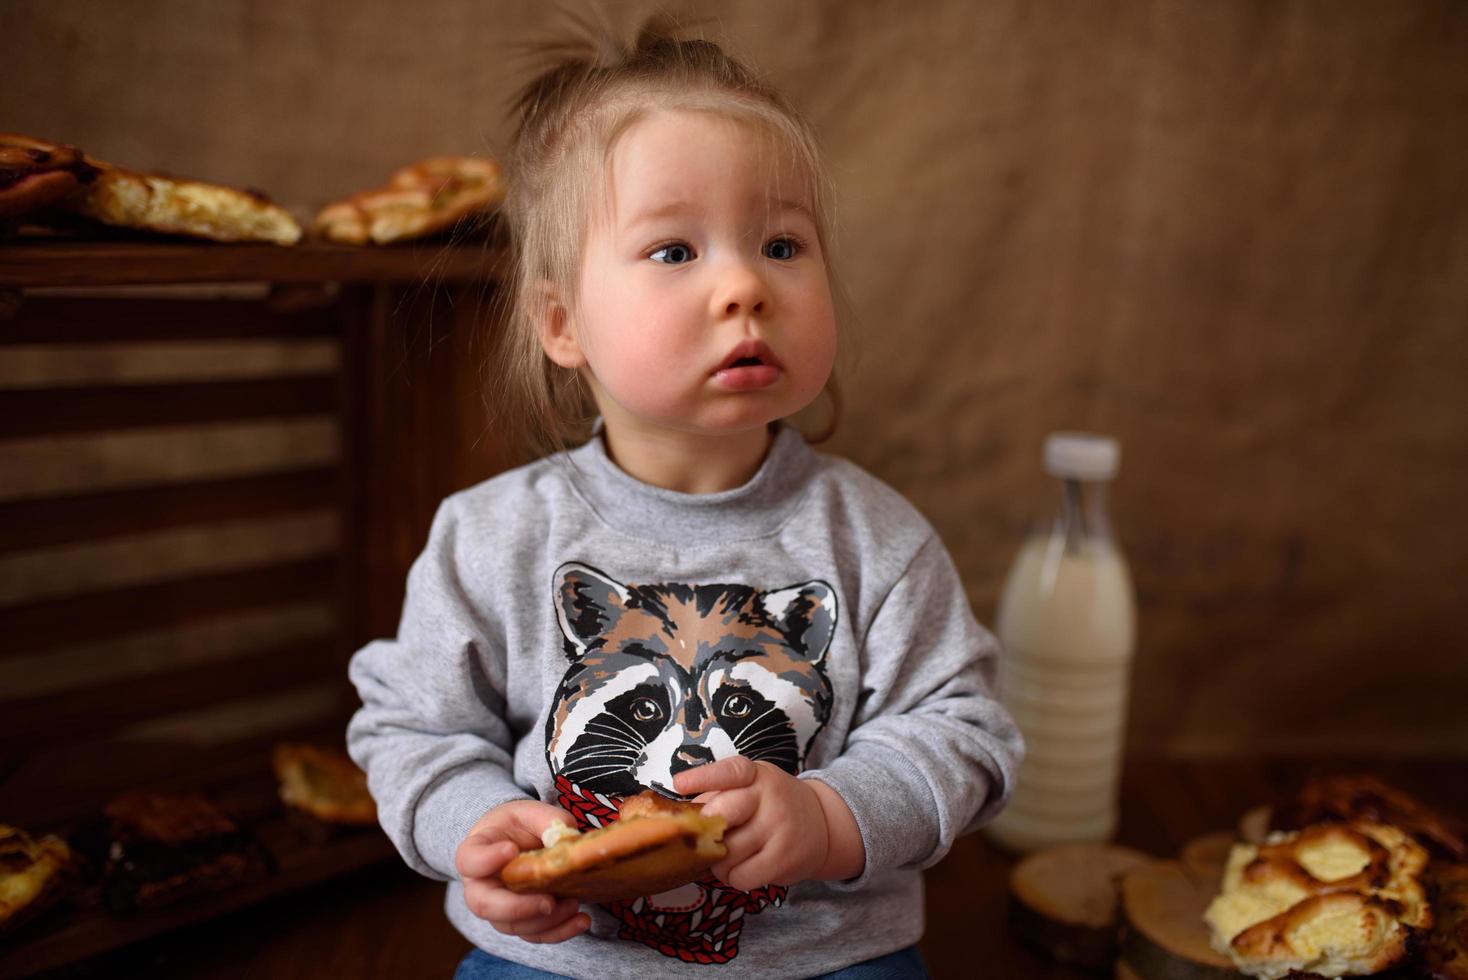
(741, 292)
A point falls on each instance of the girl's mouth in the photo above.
(750, 365)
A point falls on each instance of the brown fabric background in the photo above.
(1233, 234)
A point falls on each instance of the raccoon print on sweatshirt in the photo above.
(669, 676)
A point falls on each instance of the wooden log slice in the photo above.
(1164, 936)
(1063, 901)
(1204, 858)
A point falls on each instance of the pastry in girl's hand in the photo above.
(656, 844)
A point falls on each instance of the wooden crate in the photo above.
(216, 465)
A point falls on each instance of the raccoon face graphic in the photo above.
(666, 677)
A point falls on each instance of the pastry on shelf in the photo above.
(35, 874)
(165, 847)
(324, 783)
(36, 173)
(430, 196)
(169, 205)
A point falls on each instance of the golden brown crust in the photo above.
(656, 844)
(170, 819)
(1363, 797)
(1333, 898)
(34, 875)
(323, 782)
(1446, 955)
(420, 199)
(177, 206)
(35, 173)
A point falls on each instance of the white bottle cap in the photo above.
(1081, 456)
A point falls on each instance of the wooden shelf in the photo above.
(302, 851)
(53, 262)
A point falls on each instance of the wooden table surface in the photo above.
(387, 922)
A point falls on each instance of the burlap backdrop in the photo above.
(1234, 235)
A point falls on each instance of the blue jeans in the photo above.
(905, 964)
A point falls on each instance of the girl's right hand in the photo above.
(499, 835)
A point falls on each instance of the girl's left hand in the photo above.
(776, 828)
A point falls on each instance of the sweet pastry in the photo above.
(35, 173)
(1365, 797)
(171, 205)
(656, 844)
(1446, 955)
(429, 196)
(324, 783)
(166, 847)
(34, 875)
(1332, 899)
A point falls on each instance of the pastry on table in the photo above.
(35, 173)
(324, 783)
(1365, 797)
(170, 846)
(430, 196)
(1332, 899)
(34, 875)
(1446, 955)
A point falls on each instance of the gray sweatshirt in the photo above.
(573, 635)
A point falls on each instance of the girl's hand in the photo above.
(776, 831)
(499, 835)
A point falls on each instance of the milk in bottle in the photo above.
(1067, 621)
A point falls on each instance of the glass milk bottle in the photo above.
(1067, 622)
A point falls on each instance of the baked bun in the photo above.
(429, 196)
(324, 783)
(1365, 797)
(170, 847)
(656, 844)
(1446, 956)
(35, 173)
(34, 875)
(174, 206)
(1333, 899)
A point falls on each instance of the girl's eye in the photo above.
(672, 254)
(644, 709)
(738, 705)
(783, 249)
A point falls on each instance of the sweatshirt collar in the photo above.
(757, 508)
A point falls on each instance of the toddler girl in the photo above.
(692, 601)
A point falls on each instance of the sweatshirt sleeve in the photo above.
(931, 754)
(431, 733)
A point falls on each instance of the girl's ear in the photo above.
(553, 320)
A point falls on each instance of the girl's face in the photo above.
(703, 304)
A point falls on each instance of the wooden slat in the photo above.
(89, 567)
(29, 524)
(67, 411)
(27, 366)
(90, 321)
(78, 715)
(63, 622)
(98, 462)
(106, 263)
(120, 658)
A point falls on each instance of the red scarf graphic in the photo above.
(698, 923)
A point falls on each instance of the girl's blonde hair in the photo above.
(568, 120)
